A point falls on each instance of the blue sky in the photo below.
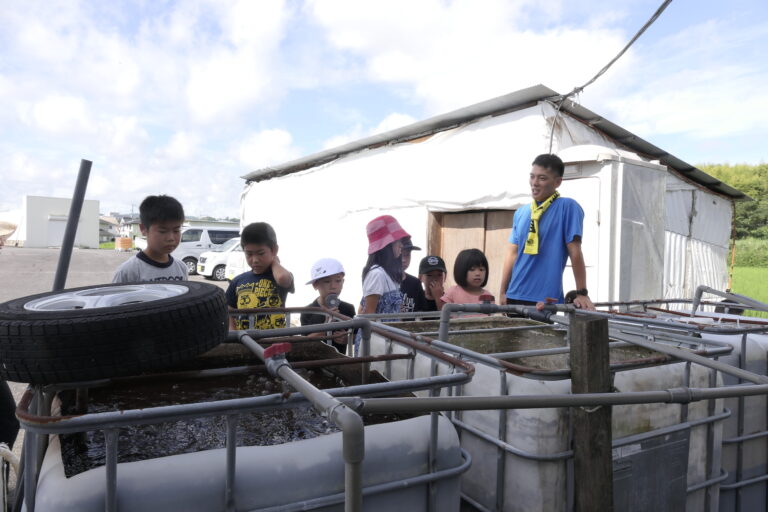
(185, 97)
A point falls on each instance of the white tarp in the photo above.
(322, 211)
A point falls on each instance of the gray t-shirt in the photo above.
(143, 268)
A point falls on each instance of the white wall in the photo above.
(45, 219)
(698, 231)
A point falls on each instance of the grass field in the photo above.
(752, 282)
(107, 245)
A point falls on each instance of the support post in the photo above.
(590, 373)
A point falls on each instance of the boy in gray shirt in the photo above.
(161, 219)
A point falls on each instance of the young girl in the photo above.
(471, 274)
(383, 272)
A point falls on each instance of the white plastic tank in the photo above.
(531, 482)
(746, 461)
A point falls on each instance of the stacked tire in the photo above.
(66, 336)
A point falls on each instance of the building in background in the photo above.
(43, 220)
(654, 227)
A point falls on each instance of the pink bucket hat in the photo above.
(382, 231)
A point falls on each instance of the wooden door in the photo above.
(487, 230)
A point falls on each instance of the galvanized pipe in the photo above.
(231, 463)
(350, 423)
(491, 329)
(703, 361)
(747, 301)
(479, 403)
(71, 230)
(110, 463)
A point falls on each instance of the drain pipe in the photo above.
(350, 423)
(71, 230)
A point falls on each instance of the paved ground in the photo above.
(26, 271)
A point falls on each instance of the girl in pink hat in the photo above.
(383, 272)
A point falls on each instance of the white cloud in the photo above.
(264, 148)
(182, 146)
(705, 90)
(126, 136)
(450, 55)
(56, 113)
(391, 122)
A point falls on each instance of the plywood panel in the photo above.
(460, 231)
(498, 225)
(434, 234)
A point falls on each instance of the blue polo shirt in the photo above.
(538, 276)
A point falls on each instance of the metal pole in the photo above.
(71, 230)
(111, 439)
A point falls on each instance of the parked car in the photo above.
(196, 240)
(236, 263)
(213, 263)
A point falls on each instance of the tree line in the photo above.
(751, 217)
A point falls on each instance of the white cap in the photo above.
(324, 268)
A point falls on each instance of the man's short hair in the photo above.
(258, 233)
(550, 162)
(467, 259)
(154, 209)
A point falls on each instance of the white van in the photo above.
(236, 263)
(198, 239)
(212, 263)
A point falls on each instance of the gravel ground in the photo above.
(27, 271)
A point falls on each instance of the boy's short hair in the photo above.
(550, 162)
(154, 209)
(467, 259)
(258, 233)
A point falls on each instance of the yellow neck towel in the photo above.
(532, 243)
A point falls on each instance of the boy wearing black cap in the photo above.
(432, 274)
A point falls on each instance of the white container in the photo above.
(541, 485)
(267, 476)
(750, 460)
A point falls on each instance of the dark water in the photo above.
(84, 451)
(512, 341)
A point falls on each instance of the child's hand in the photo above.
(436, 289)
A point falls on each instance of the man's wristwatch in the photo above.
(583, 292)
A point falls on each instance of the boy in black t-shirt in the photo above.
(327, 277)
(413, 294)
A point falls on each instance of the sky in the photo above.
(185, 97)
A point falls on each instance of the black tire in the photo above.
(191, 264)
(46, 346)
(219, 273)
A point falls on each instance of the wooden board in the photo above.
(465, 230)
(498, 225)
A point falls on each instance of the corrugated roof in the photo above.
(518, 100)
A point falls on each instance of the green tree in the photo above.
(751, 217)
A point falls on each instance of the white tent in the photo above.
(654, 225)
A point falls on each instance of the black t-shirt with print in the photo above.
(413, 295)
(345, 308)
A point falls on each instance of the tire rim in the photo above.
(219, 273)
(108, 296)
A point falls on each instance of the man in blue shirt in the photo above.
(544, 235)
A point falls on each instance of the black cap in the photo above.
(408, 245)
(430, 263)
